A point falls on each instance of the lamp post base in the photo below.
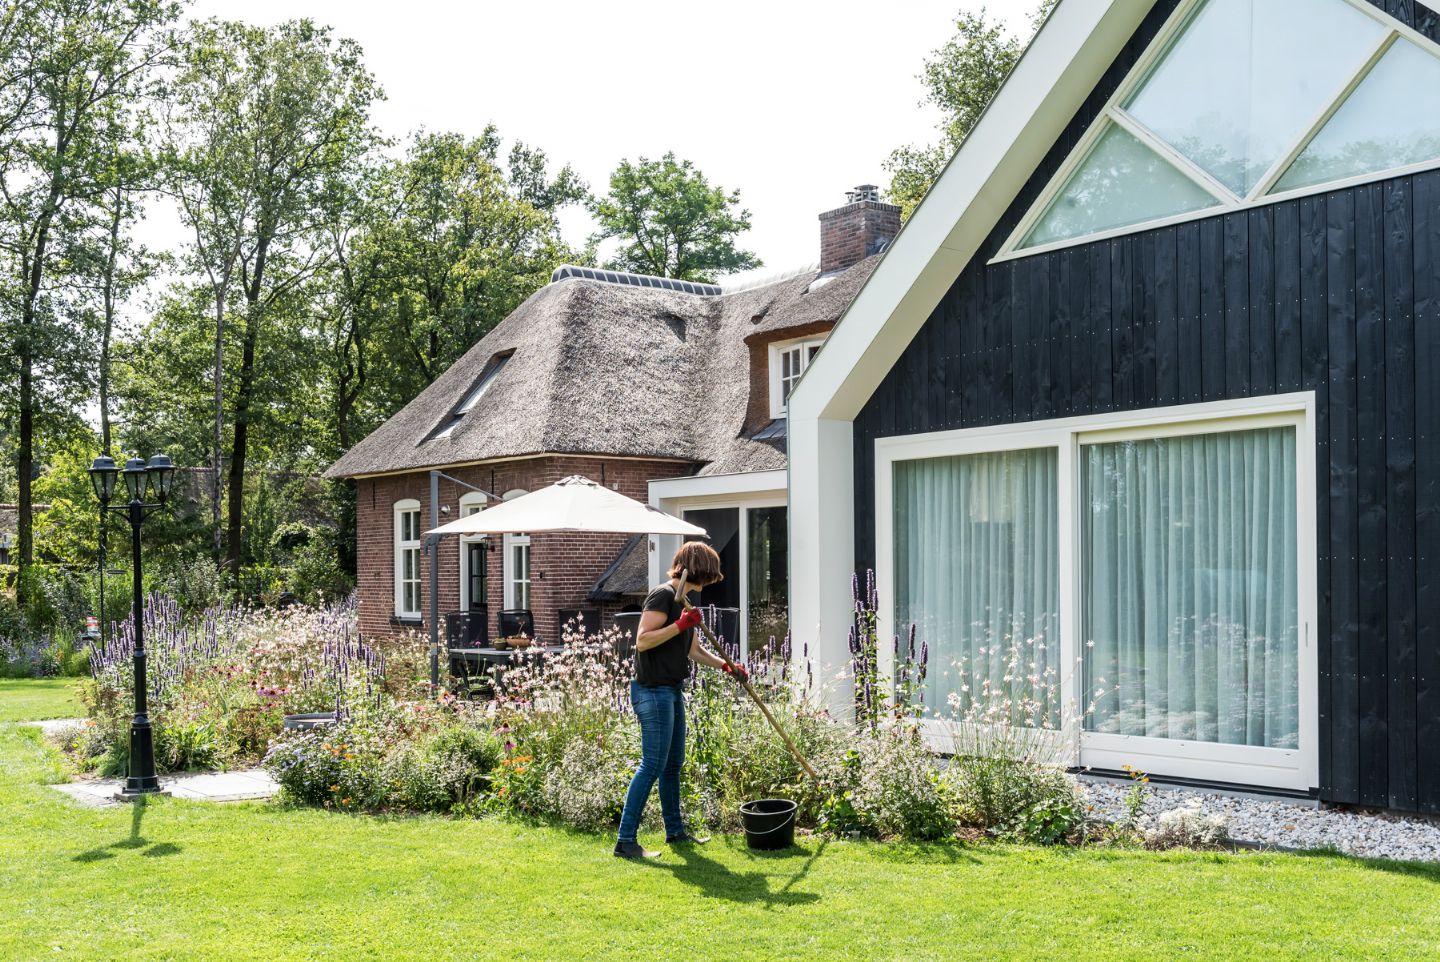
(128, 794)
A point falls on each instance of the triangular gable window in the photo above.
(1119, 183)
(1238, 100)
(1391, 120)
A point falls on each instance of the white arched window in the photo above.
(407, 558)
(517, 563)
(474, 565)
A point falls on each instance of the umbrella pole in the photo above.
(745, 683)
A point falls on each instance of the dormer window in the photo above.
(487, 377)
(789, 360)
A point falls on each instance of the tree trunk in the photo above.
(222, 293)
(244, 392)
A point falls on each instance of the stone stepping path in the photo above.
(240, 786)
(251, 784)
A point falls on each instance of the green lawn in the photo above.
(177, 880)
(36, 699)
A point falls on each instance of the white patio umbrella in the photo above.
(574, 504)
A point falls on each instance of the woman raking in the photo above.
(665, 645)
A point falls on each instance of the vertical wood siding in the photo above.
(1338, 294)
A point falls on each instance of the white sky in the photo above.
(791, 102)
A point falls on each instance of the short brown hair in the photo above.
(700, 562)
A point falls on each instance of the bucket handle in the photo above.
(788, 819)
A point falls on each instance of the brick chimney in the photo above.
(862, 227)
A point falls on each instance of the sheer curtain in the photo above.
(1189, 587)
(977, 573)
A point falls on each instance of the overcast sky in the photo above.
(791, 102)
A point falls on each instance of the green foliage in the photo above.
(1013, 799)
(443, 770)
(961, 77)
(671, 222)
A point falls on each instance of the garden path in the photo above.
(253, 784)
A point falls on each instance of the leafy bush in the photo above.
(340, 766)
(443, 770)
(1014, 799)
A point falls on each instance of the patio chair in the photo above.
(517, 621)
(587, 620)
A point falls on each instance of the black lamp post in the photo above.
(153, 477)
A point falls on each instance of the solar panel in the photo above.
(635, 280)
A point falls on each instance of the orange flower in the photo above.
(334, 788)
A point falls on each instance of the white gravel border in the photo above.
(1279, 823)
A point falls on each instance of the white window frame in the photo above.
(809, 347)
(1291, 769)
(508, 543)
(674, 496)
(1227, 201)
(403, 545)
(471, 502)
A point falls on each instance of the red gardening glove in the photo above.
(688, 619)
(735, 671)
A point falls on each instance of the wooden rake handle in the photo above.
(745, 682)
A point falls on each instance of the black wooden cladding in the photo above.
(1337, 293)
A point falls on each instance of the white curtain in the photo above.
(977, 572)
(1189, 598)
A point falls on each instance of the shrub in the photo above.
(1187, 827)
(1013, 799)
(443, 770)
(337, 766)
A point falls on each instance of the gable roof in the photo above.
(1055, 75)
(606, 369)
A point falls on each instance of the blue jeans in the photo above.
(661, 711)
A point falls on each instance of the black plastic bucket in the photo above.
(769, 823)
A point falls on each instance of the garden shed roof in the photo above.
(593, 367)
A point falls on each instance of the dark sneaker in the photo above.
(686, 839)
(633, 850)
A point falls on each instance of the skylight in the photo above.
(1239, 101)
(473, 397)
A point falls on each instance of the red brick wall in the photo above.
(563, 567)
(852, 233)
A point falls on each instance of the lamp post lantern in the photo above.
(153, 477)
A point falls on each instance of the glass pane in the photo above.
(722, 529)
(1247, 77)
(1190, 612)
(1121, 182)
(977, 572)
(1392, 119)
(767, 543)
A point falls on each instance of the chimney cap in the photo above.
(863, 192)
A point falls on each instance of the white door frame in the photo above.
(739, 491)
(470, 503)
(1272, 767)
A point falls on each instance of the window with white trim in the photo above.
(1237, 103)
(788, 361)
(407, 558)
(1144, 578)
(516, 563)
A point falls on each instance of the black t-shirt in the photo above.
(667, 663)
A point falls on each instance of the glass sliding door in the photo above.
(1190, 609)
(767, 582)
(976, 570)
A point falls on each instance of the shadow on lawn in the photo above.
(716, 881)
(134, 841)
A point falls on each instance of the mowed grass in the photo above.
(184, 880)
(38, 699)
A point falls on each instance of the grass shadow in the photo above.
(717, 881)
(135, 840)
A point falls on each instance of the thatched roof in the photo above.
(606, 369)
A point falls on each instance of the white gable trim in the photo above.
(1065, 61)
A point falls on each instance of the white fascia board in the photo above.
(1079, 41)
(748, 482)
